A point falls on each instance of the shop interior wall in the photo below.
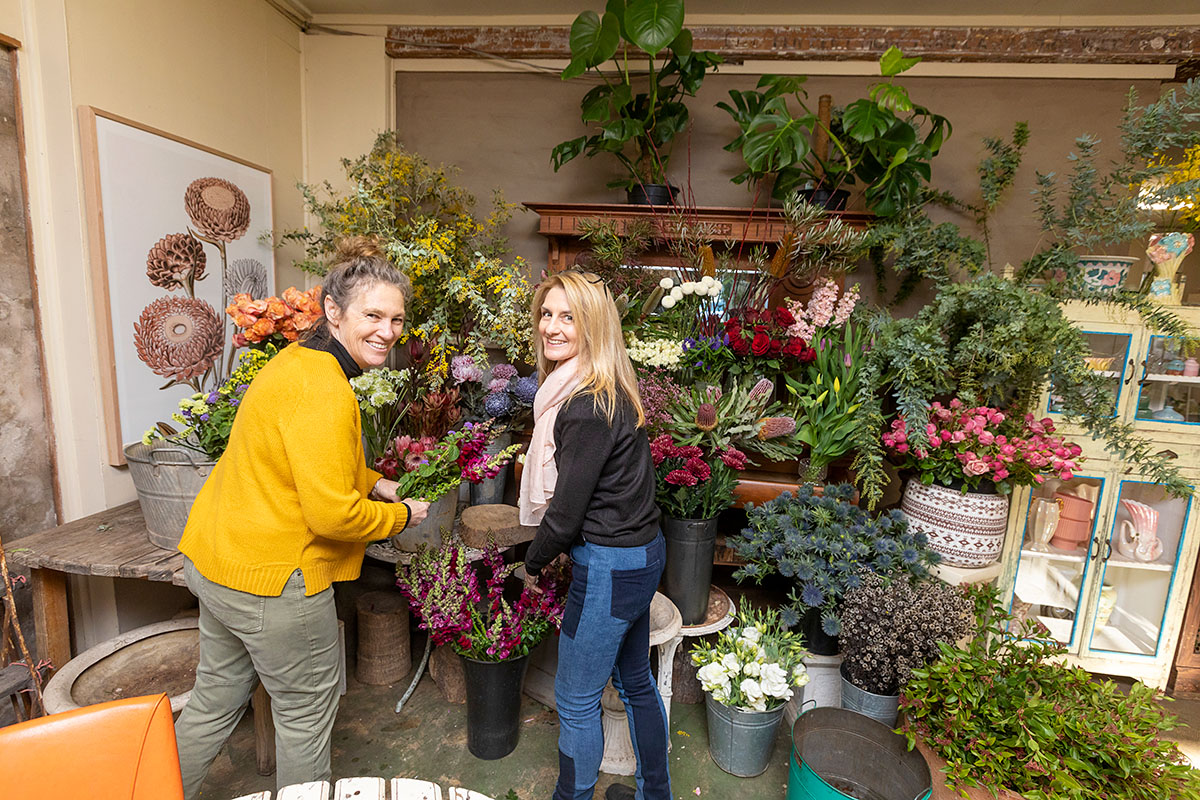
(499, 128)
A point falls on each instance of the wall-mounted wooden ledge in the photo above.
(1172, 45)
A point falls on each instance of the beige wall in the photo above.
(223, 73)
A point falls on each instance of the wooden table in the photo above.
(111, 544)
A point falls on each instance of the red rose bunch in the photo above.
(764, 335)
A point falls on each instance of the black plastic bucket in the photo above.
(687, 577)
(494, 705)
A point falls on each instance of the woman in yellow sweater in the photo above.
(289, 509)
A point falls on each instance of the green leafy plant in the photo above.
(825, 545)
(636, 117)
(383, 396)
(1006, 713)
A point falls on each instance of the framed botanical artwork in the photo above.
(174, 233)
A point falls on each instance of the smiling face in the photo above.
(556, 327)
(370, 324)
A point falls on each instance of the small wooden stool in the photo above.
(494, 522)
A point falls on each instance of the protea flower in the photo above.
(173, 259)
(761, 391)
(706, 417)
(774, 427)
(218, 208)
(178, 337)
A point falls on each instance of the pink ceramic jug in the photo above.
(1137, 537)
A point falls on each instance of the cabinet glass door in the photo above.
(1053, 572)
(1170, 384)
(1110, 357)
(1139, 561)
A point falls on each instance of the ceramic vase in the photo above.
(1105, 274)
(965, 528)
(1167, 251)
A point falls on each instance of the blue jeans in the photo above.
(606, 633)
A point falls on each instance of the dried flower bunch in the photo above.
(754, 666)
(693, 484)
(445, 592)
(971, 445)
(278, 320)
(826, 545)
(1005, 712)
(891, 627)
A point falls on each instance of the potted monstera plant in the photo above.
(635, 115)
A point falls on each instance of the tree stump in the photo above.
(446, 669)
(494, 522)
(384, 656)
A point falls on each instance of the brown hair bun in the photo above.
(352, 248)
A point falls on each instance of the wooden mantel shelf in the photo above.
(560, 223)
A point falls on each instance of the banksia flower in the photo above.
(178, 337)
(779, 262)
(708, 264)
(761, 391)
(218, 208)
(774, 427)
(706, 417)
(173, 259)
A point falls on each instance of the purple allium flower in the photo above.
(526, 388)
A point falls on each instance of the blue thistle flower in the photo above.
(811, 595)
(788, 617)
(830, 624)
(909, 555)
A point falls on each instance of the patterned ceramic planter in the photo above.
(1105, 273)
(967, 530)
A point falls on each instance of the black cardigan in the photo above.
(605, 488)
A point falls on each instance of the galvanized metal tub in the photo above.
(741, 742)
(167, 478)
(880, 707)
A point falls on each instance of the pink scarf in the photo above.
(540, 474)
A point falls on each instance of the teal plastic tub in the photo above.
(838, 753)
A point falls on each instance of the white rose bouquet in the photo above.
(753, 667)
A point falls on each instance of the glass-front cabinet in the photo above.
(1105, 561)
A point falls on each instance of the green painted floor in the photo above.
(428, 740)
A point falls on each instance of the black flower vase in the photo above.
(818, 642)
(494, 705)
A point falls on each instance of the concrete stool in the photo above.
(665, 623)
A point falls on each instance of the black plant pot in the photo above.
(691, 544)
(829, 199)
(494, 705)
(816, 640)
(652, 194)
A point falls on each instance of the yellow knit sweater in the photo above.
(291, 490)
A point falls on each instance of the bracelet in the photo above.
(408, 519)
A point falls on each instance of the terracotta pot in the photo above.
(965, 529)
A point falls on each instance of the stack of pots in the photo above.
(1074, 521)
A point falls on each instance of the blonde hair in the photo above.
(604, 367)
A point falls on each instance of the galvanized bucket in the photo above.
(167, 478)
(881, 707)
(429, 531)
(838, 753)
(741, 742)
(491, 490)
(691, 544)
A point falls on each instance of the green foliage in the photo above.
(917, 250)
(817, 243)
(628, 110)
(827, 397)
(463, 292)
(1005, 713)
(997, 173)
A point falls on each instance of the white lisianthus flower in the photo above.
(731, 664)
(754, 694)
(665, 284)
(721, 695)
(800, 675)
(774, 681)
(688, 287)
(752, 634)
(707, 281)
(712, 676)
(676, 293)
(668, 301)
(752, 668)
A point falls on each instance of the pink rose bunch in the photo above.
(971, 445)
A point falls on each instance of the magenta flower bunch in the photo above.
(693, 484)
(971, 445)
(474, 617)
(474, 460)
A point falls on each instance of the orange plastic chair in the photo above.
(124, 749)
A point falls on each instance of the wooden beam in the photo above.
(1073, 45)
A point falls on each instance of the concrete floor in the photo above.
(428, 740)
